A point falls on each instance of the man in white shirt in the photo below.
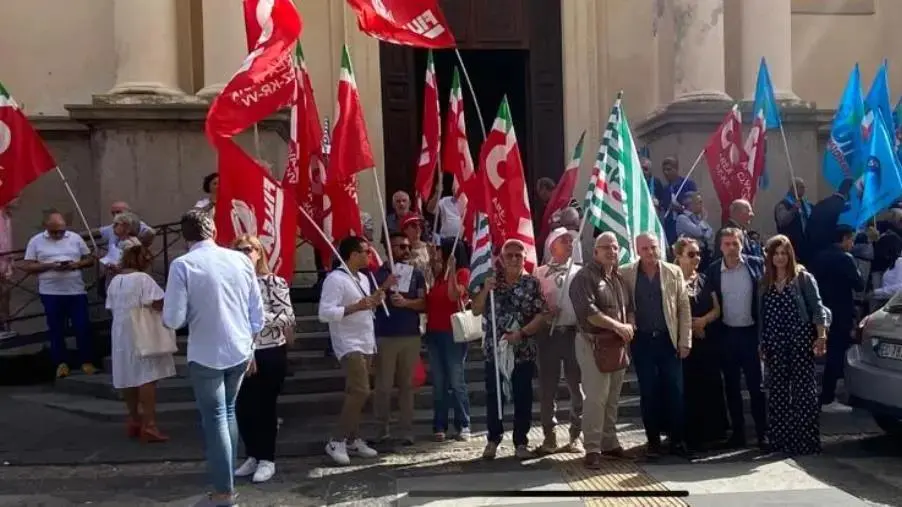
(57, 256)
(447, 211)
(559, 346)
(346, 304)
(215, 292)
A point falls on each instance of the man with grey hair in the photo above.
(604, 321)
(145, 233)
(214, 291)
(741, 216)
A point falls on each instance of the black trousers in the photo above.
(521, 394)
(740, 358)
(838, 342)
(256, 405)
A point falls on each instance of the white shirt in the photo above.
(42, 248)
(349, 333)
(892, 281)
(449, 216)
(552, 287)
(215, 291)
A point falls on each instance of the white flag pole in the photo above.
(81, 213)
(685, 179)
(438, 192)
(495, 350)
(792, 172)
(381, 200)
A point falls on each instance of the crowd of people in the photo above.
(693, 318)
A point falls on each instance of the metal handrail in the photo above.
(20, 289)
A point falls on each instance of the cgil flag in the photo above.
(456, 157)
(882, 181)
(351, 151)
(562, 195)
(23, 155)
(432, 132)
(621, 202)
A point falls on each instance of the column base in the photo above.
(144, 88)
(211, 91)
(704, 96)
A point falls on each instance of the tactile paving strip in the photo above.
(614, 475)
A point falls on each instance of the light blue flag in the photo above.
(897, 122)
(766, 101)
(877, 99)
(843, 158)
(882, 181)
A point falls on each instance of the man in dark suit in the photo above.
(792, 215)
(734, 279)
(741, 216)
(825, 216)
(838, 278)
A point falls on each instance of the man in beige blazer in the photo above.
(663, 338)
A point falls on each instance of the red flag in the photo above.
(266, 80)
(252, 26)
(563, 191)
(351, 152)
(409, 22)
(432, 126)
(23, 155)
(754, 156)
(419, 373)
(252, 202)
(456, 158)
(504, 182)
(305, 173)
(724, 155)
(342, 211)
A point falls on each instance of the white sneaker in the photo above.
(464, 435)
(338, 451)
(247, 468)
(360, 448)
(836, 407)
(265, 471)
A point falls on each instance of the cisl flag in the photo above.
(23, 156)
(252, 202)
(724, 155)
(265, 82)
(409, 22)
(504, 181)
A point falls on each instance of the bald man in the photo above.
(741, 216)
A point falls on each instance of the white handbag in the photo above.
(466, 327)
(151, 337)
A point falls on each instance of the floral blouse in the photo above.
(515, 306)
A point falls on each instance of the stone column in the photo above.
(767, 31)
(698, 50)
(225, 45)
(146, 41)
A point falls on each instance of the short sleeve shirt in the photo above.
(71, 247)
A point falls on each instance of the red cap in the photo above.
(411, 219)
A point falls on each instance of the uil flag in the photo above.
(876, 100)
(504, 183)
(305, 174)
(456, 158)
(23, 156)
(432, 126)
(351, 152)
(765, 102)
(265, 82)
(252, 202)
(417, 23)
(563, 192)
(882, 181)
(724, 156)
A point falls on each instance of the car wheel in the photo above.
(890, 425)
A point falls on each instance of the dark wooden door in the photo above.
(528, 31)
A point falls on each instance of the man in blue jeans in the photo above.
(57, 256)
(663, 338)
(214, 291)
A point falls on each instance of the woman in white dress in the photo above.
(134, 374)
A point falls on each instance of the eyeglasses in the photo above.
(56, 234)
(691, 254)
(246, 250)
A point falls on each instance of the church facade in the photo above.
(119, 88)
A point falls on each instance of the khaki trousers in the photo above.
(554, 350)
(396, 357)
(356, 368)
(602, 397)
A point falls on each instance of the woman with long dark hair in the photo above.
(256, 407)
(793, 330)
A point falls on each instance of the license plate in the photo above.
(890, 351)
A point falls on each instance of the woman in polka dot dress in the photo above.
(794, 325)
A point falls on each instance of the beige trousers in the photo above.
(602, 392)
(396, 357)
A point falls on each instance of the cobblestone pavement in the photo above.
(36, 442)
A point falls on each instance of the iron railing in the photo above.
(20, 306)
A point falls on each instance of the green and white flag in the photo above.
(619, 200)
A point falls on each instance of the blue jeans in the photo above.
(60, 309)
(449, 386)
(660, 372)
(215, 392)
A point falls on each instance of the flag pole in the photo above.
(685, 179)
(81, 213)
(792, 172)
(337, 255)
(257, 142)
(436, 213)
(463, 69)
(381, 200)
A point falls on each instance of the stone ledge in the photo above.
(844, 7)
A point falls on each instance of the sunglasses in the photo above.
(691, 254)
